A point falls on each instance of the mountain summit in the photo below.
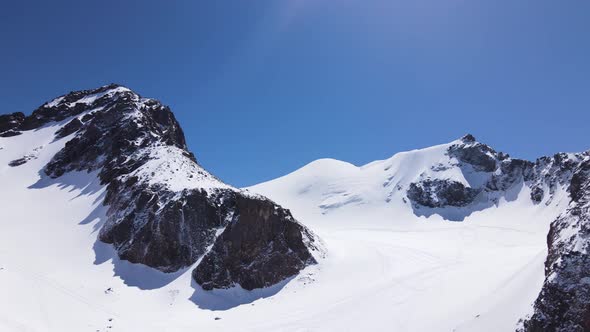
(164, 209)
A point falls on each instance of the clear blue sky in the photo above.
(263, 87)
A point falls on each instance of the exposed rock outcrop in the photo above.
(480, 156)
(437, 193)
(488, 175)
(564, 302)
(9, 122)
(260, 247)
(493, 174)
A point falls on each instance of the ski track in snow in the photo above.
(385, 269)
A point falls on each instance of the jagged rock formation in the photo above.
(564, 302)
(8, 122)
(480, 156)
(489, 175)
(164, 210)
(441, 193)
(263, 239)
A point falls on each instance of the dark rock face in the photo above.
(18, 162)
(162, 229)
(537, 194)
(509, 173)
(564, 301)
(60, 109)
(480, 156)
(164, 210)
(124, 127)
(9, 122)
(260, 247)
(67, 106)
(564, 305)
(468, 138)
(70, 128)
(440, 193)
(499, 172)
(580, 184)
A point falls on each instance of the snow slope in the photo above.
(391, 270)
(386, 269)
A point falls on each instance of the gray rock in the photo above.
(480, 156)
(10, 122)
(564, 301)
(260, 247)
(435, 193)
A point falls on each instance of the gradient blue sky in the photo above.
(263, 87)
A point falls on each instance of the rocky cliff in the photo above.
(564, 302)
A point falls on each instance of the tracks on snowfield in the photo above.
(41, 282)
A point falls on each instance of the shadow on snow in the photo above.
(482, 202)
(139, 275)
(133, 275)
(88, 183)
(225, 299)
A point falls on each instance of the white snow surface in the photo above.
(385, 270)
(169, 166)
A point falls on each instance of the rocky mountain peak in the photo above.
(481, 156)
(114, 130)
(488, 176)
(64, 107)
(468, 138)
(164, 210)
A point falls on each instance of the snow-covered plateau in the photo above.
(110, 224)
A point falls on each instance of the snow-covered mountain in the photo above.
(117, 165)
(110, 224)
(516, 255)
